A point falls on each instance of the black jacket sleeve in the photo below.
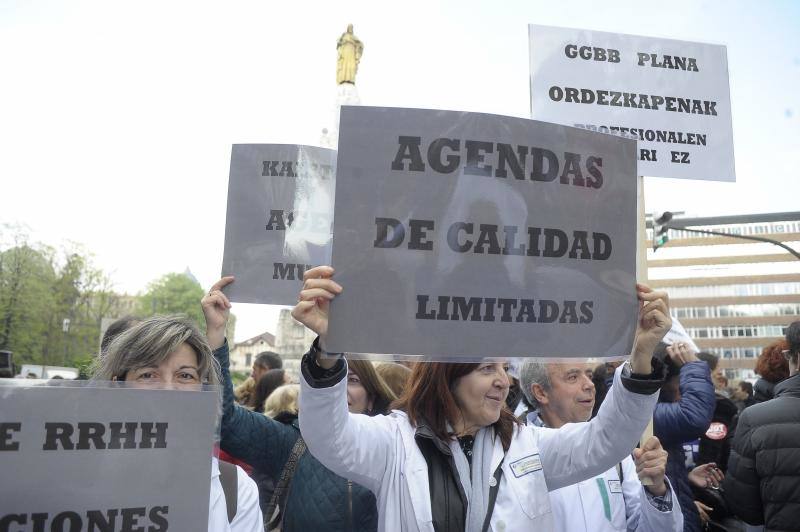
(742, 485)
(317, 376)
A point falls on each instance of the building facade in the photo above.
(734, 296)
(243, 353)
(291, 341)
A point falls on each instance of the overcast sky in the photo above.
(116, 119)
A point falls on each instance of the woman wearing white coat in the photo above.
(455, 459)
(171, 352)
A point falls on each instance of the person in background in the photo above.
(763, 482)
(313, 497)
(613, 500)
(772, 368)
(282, 403)
(599, 379)
(243, 393)
(611, 367)
(268, 382)
(452, 457)
(514, 397)
(721, 384)
(395, 375)
(264, 362)
(170, 350)
(714, 446)
(743, 395)
(116, 328)
(706, 457)
(683, 413)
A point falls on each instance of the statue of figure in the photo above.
(350, 50)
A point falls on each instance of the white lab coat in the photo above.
(580, 507)
(248, 512)
(381, 454)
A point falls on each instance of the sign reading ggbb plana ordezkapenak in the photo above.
(671, 96)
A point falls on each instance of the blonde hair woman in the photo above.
(282, 400)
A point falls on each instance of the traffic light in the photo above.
(660, 229)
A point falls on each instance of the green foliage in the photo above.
(177, 293)
(173, 293)
(238, 377)
(40, 288)
(84, 364)
(26, 275)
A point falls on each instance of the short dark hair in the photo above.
(746, 387)
(709, 358)
(269, 360)
(268, 383)
(793, 336)
(660, 354)
(118, 327)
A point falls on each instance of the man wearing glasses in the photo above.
(763, 481)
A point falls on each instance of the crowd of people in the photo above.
(355, 445)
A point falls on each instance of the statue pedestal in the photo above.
(346, 94)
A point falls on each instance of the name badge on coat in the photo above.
(523, 466)
(615, 486)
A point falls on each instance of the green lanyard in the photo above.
(601, 484)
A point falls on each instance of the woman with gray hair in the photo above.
(170, 351)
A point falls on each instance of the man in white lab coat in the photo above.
(615, 500)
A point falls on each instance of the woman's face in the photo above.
(179, 369)
(481, 395)
(358, 400)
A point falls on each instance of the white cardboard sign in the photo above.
(671, 96)
(280, 208)
(466, 235)
(81, 457)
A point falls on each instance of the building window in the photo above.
(248, 359)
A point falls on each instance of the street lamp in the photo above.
(660, 229)
(65, 330)
(665, 223)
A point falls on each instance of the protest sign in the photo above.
(672, 96)
(280, 207)
(465, 235)
(78, 457)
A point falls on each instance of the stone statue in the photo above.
(350, 50)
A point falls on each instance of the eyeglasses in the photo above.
(787, 354)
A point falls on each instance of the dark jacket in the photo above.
(687, 419)
(763, 390)
(715, 443)
(318, 499)
(763, 481)
(448, 500)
